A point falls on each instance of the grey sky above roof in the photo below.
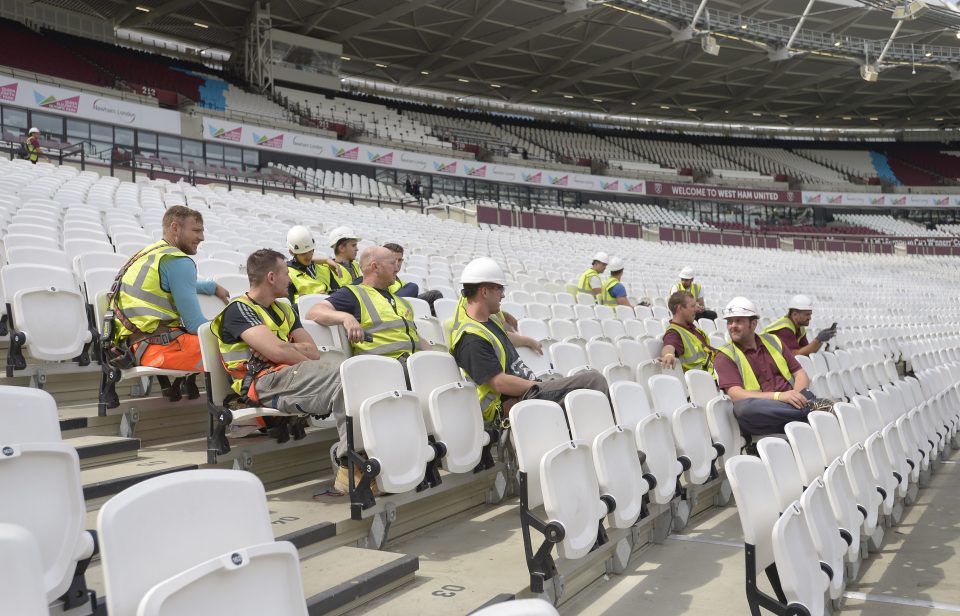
(622, 57)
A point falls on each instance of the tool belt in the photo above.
(127, 353)
(255, 369)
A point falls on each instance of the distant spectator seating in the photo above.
(648, 214)
(891, 226)
(46, 56)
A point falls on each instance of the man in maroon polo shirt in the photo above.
(766, 383)
(792, 328)
(683, 340)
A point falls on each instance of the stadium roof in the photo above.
(620, 56)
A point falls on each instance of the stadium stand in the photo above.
(605, 505)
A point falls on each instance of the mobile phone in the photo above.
(834, 326)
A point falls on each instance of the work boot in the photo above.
(298, 427)
(280, 429)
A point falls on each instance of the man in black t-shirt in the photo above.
(273, 361)
(484, 351)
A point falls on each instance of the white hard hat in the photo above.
(483, 269)
(615, 265)
(602, 257)
(800, 302)
(739, 307)
(33, 130)
(299, 240)
(686, 273)
(342, 233)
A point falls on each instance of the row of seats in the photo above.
(813, 505)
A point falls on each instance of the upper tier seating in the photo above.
(855, 163)
(889, 225)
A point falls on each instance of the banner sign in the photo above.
(85, 106)
(332, 149)
(702, 192)
(879, 200)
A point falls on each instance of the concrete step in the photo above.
(157, 419)
(103, 450)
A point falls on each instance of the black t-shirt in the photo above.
(477, 357)
(238, 318)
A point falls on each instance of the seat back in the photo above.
(536, 427)
(54, 320)
(451, 409)
(701, 386)
(829, 434)
(630, 403)
(519, 607)
(612, 328)
(21, 583)
(601, 354)
(863, 483)
(668, 394)
(28, 415)
(220, 380)
(589, 329)
(756, 504)
(614, 453)
(824, 531)
(798, 563)
(445, 308)
(806, 451)
(782, 466)
(134, 562)
(852, 424)
(568, 358)
(51, 507)
(842, 499)
(632, 353)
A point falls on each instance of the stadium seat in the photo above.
(803, 575)
(602, 356)
(385, 421)
(614, 453)
(190, 564)
(558, 474)
(518, 607)
(451, 411)
(654, 439)
(568, 358)
(758, 511)
(690, 429)
(724, 428)
(52, 509)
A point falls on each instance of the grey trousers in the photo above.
(557, 389)
(758, 416)
(311, 386)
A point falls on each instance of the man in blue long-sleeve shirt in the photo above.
(156, 304)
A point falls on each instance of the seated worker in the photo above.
(343, 241)
(409, 289)
(613, 292)
(683, 339)
(766, 383)
(589, 281)
(306, 275)
(486, 355)
(792, 329)
(696, 290)
(273, 361)
(154, 298)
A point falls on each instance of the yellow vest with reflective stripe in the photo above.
(695, 289)
(696, 355)
(392, 329)
(489, 398)
(750, 382)
(304, 283)
(605, 298)
(785, 322)
(348, 273)
(140, 297)
(583, 286)
(235, 356)
(460, 316)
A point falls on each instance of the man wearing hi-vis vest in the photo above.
(377, 323)
(154, 299)
(766, 383)
(486, 355)
(272, 359)
(589, 281)
(696, 290)
(792, 328)
(308, 276)
(683, 340)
